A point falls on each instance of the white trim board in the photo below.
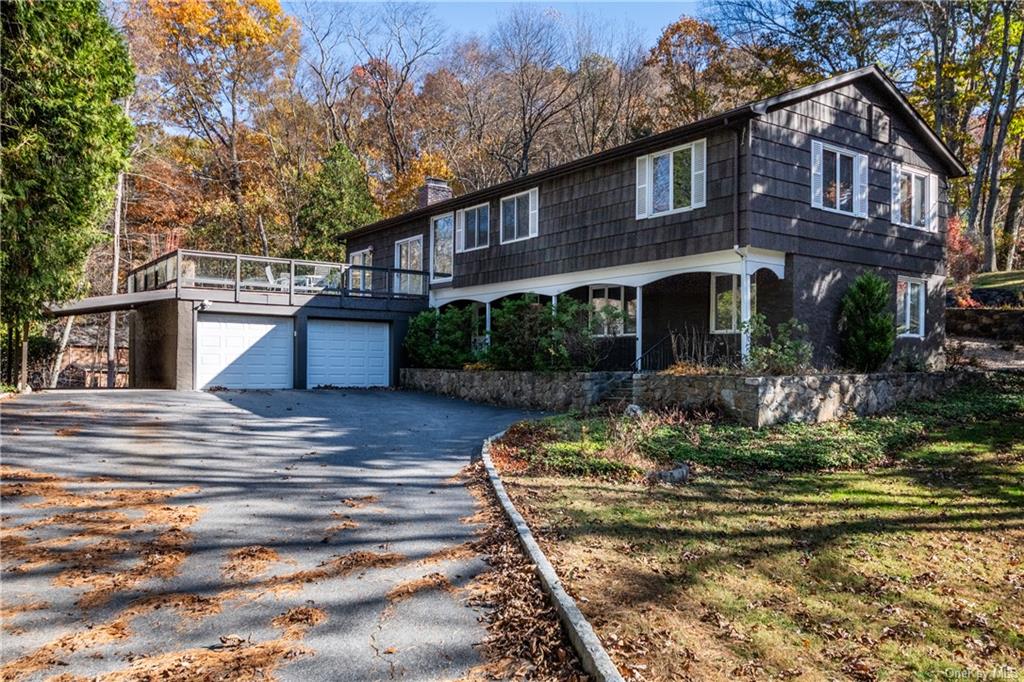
(632, 275)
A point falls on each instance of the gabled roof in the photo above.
(726, 119)
(879, 77)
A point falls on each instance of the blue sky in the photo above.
(646, 18)
(649, 18)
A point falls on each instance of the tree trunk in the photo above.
(264, 243)
(996, 169)
(64, 338)
(9, 368)
(986, 139)
(114, 268)
(23, 376)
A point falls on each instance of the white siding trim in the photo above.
(642, 165)
(816, 182)
(895, 199)
(632, 275)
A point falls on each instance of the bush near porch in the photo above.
(899, 557)
(526, 335)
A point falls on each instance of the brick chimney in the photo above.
(433, 191)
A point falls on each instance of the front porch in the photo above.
(692, 309)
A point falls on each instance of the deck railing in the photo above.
(187, 269)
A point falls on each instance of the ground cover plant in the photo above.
(901, 559)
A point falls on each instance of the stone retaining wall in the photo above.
(762, 401)
(552, 391)
(1004, 324)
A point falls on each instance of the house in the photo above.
(774, 207)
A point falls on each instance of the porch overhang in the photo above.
(106, 304)
(745, 260)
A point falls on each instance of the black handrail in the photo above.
(655, 355)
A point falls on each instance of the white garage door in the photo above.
(347, 353)
(243, 351)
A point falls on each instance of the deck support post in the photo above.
(639, 327)
(744, 310)
(487, 323)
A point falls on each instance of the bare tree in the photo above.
(328, 68)
(536, 79)
(394, 43)
(611, 92)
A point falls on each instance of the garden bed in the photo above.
(898, 556)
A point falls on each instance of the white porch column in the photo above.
(487, 322)
(744, 311)
(639, 325)
(554, 304)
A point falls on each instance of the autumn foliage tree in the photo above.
(216, 60)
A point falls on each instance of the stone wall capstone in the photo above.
(763, 401)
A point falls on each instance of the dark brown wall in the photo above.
(819, 285)
(781, 216)
(588, 220)
(153, 333)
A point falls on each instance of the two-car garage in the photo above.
(260, 351)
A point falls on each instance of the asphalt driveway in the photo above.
(306, 535)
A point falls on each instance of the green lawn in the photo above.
(906, 562)
(1012, 280)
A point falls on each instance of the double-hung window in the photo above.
(725, 303)
(672, 180)
(360, 278)
(839, 179)
(472, 228)
(519, 216)
(910, 303)
(915, 198)
(442, 247)
(615, 308)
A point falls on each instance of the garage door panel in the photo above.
(347, 353)
(244, 351)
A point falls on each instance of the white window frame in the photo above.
(460, 228)
(645, 180)
(434, 219)
(931, 197)
(532, 224)
(907, 312)
(859, 179)
(624, 308)
(398, 251)
(736, 303)
(362, 255)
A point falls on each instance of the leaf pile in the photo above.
(525, 640)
